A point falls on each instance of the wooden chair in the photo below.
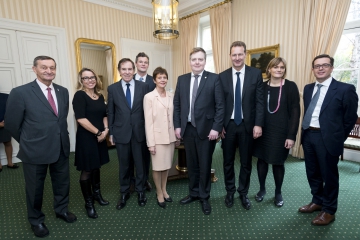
(355, 133)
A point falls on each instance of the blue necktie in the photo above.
(310, 110)
(141, 79)
(128, 95)
(237, 114)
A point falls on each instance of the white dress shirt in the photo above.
(323, 90)
(132, 89)
(234, 76)
(191, 90)
(137, 77)
(43, 88)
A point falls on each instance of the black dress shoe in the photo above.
(67, 217)
(141, 199)
(245, 202)
(169, 199)
(148, 186)
(205, 206)
(161, 204)
(188, 199)
(229, 200)
(14, 166)
(259, 198)
(40, 230)
(122, 201)
(279, 203)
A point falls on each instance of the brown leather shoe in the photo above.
(323, 219)
(310, 208)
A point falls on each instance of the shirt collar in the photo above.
(123, 83)
(43, 86)
(200, 74)
(242, 70)
(326, 83)
(137, 76)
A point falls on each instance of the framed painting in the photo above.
(260, 57)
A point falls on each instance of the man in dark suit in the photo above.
(127, 129)
(330, 114)
(243, 121)
(36, 118)
(198, 119)
(142, 65)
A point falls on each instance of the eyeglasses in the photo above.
(326, 65)
(88, 78)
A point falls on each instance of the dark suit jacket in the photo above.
(209, 104)
(32, 122)
(252, 97)
(123, 121)
(338, 114)
(150, 81)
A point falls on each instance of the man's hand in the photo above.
(289, 143)
(257, 132)
(2, 124)
(213, 135)
(222, 134)
(177, 133)
(111, 140)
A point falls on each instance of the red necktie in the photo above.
(51, 101)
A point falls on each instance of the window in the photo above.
(347, 56)
(204, 41)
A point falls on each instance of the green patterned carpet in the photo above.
(262, 221)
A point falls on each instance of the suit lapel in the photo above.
(229, 79)
(187, 83)
(37, 90)
(59, 97)
(136, 95)
(159, 100)
(247, 81)
(202, 82)
(329, 95)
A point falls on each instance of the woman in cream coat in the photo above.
(160, 136)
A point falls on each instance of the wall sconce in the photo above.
(166, 19)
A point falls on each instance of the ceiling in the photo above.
(144, 7)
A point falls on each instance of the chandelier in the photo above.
(166, 19)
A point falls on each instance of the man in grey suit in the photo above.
(36, 118)
(243, 121)
(142, 65)
(198, 119)
(127, 129)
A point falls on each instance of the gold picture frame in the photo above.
(260, 57)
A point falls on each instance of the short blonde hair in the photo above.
(274, 62)
(98, 85)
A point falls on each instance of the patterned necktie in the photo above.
(141, 79)
(128, 95)
(51, 101)
(193, 98)
(310, 110)
(237, 114)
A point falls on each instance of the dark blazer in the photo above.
(32, 122)
(338, 114)
(209, 104)
(150, 81)
(123, 121)
(252, 97)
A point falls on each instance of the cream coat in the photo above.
(159, 126)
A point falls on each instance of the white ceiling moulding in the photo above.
(144, 7)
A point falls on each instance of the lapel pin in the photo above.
(58, 90)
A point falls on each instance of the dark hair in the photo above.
(159, 70)
(323, 56)
(197, 49)
(98, 85)
(274, 62)
(126, 60)
(238, 44)
(42, 58)
(141, 54)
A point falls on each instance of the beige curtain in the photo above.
(188, 39)
(220, 23)
(321, 23)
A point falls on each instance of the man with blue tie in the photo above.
(127, 129)
(330, 114)
(142, 65)
(243, 121)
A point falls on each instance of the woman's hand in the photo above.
(289, 143)
(2, 124)
(152, 150)
(102, 137)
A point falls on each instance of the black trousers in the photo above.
(198, 159)
(132, 150)
(35, 175)
(321, 170)
(236, 136)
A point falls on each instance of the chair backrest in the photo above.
(355, 132)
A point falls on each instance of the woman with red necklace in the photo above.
(282, 113)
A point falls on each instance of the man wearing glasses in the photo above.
(330, 114)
